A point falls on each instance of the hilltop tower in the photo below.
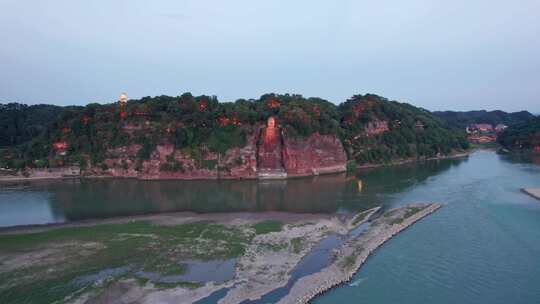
(122, 100)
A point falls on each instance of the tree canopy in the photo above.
(523, 136)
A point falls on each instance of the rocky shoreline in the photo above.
(316, 284)
(74, 172)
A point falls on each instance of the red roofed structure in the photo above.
(273, 104)
(203, 105)
(223, 121)
(235, 121)
(60, 146)
(481, 127)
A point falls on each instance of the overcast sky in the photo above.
(459, 54)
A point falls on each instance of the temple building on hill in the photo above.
(480, 128)
(123, 98)
(60, 147)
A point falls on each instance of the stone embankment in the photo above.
(39, 174)
(534, 192)
(355, 252)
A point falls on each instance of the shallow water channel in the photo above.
(317, 259)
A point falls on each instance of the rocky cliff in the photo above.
(268, 153)
(314, 155)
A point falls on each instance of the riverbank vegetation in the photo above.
(268, 226)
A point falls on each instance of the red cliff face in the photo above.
(240, 162)
(163, 159)
(268, 153)
(316, 154)
(167, 163)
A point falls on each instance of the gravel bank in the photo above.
(355, 252)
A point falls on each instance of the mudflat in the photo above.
(149, 259)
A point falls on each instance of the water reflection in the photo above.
(105, 198)
(72, 200)
(380, 183)
(27, 207)
(531, 158)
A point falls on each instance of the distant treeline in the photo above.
(372, 128)
(20, 123)
(522, 137)
(463, 119)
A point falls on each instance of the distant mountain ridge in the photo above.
(463, 119)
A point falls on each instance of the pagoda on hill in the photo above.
(122, 100)
(270, 158)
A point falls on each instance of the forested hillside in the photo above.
(371, 128)
(522, 137)
(20, 123)
(376, 129)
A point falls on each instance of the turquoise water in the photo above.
(317, 259)
(482, 247)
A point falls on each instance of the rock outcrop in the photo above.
(314, 155)
(281, 155)
(269, 153)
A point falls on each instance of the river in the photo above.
(59, 201)
(482, 247)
